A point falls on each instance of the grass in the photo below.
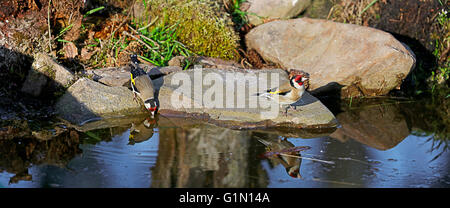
(367, 7)
(161, 44)
(165, 29)
(441, 75)
(238, 16)
(93, 11)
(202, 25)
(354, 11)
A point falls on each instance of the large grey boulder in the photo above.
(223, 97)
(364, 60)
(259, 10)
(87, 100)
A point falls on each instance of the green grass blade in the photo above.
(368, 6)
(93, 11)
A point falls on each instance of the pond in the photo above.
(380, 143)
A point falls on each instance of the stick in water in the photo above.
(307, 158)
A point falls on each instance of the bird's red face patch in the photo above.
(298, 79)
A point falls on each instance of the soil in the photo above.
(412, 18)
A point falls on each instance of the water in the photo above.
(378, 145)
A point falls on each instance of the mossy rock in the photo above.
(202, 25)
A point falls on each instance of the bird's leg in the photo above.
(135, 98)
(286, 110)
(294, 107)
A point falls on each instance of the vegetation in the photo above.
(202, 25)
(358, 12)
(160, 43)
(442, 47)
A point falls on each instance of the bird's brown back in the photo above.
(145, 87)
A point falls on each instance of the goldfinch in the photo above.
(142, 85)
(289, 92)
(281, 155)
(141, 132)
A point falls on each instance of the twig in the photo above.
(336, 182)
(142, 42)
(143, 36)
(123, 22)
(307, 158)
(150, 24)
(49, 30)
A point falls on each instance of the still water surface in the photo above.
(376, 146)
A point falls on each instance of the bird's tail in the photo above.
(263, 94)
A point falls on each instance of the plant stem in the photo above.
(49, 30)
(142, 42)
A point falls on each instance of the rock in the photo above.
(111, 76)
(87, 100)
(163, 70)
(44, 68)
(221, 107)
(34, 83)
(365, 61)
(116, 77)
(217, 63)
(274, 9)
(177, 61)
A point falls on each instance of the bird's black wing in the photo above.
(135, 71)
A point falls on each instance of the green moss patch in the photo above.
(202, 25)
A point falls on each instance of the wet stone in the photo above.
(214, 101)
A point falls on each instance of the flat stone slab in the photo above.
(223, 97)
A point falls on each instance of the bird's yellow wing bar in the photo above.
(276, 92)
(132, 80)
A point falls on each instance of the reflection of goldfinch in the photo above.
(289, 92)
(142, 85)
(289, 160)
(142, 131)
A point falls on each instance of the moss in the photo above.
(202, 25)
(48, 70)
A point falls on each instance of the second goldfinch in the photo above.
(142, 86)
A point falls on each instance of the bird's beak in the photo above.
(304, 79)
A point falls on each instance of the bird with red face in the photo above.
(289, 92)
(142, 86)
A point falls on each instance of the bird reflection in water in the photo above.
(142, 131)
(280, 150)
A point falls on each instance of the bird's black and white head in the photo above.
(298, 81)
(134, 59)
(151, 106)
